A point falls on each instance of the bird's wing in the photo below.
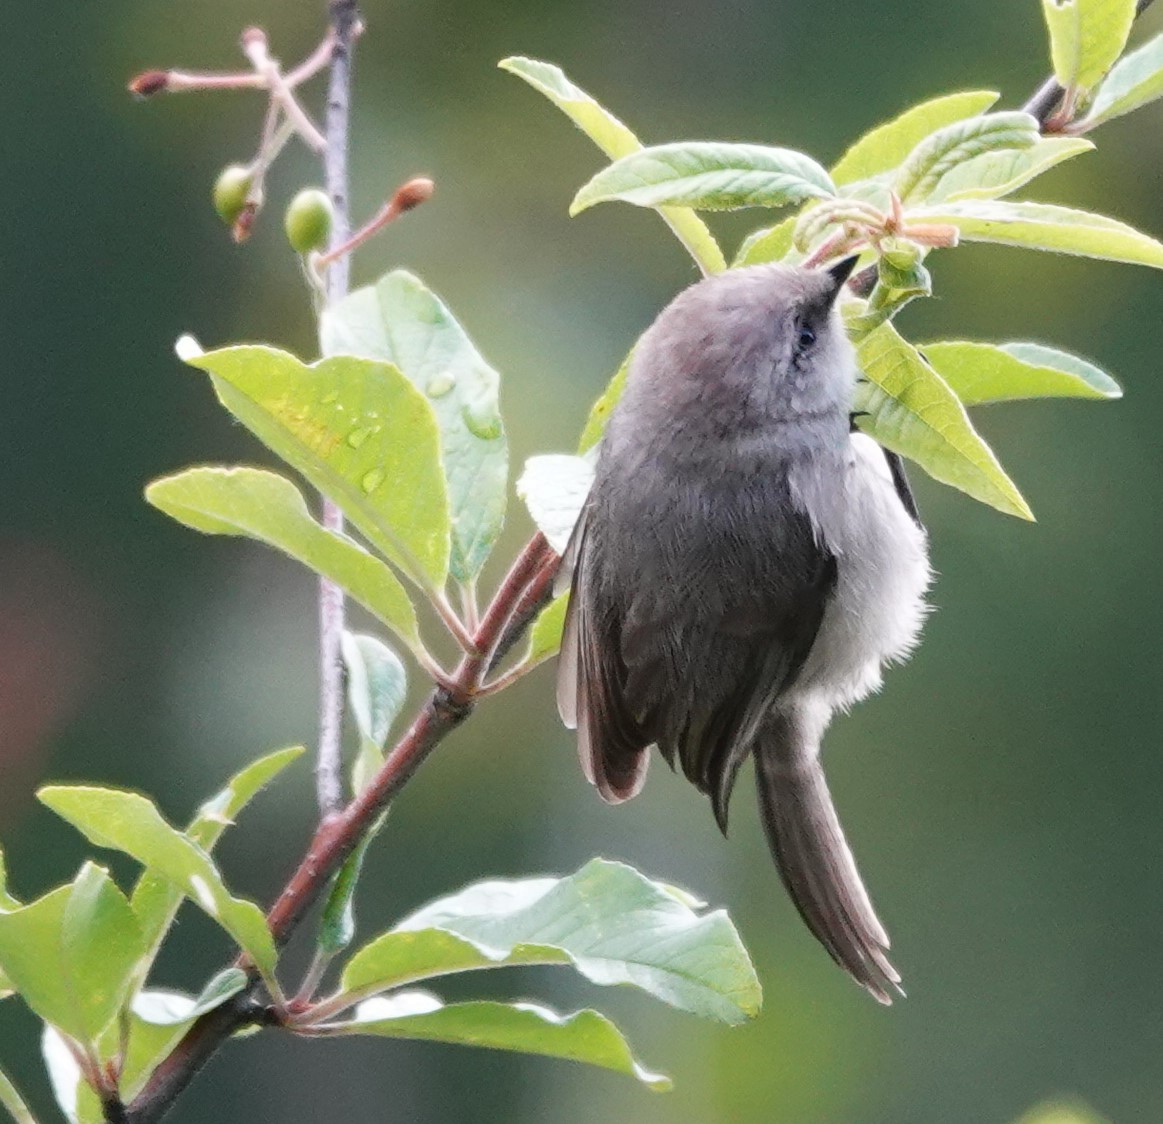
(778, 627)
(715, 634)
(612, 743)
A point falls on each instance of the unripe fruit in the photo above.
(308, 220)
(230, 192)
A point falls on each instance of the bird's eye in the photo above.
(806, 338)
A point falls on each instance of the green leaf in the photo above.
(376, 686)
(554, 488)
(359, 431)
(999, 173)
(267, 507)
(337, 921)
(912, 411)
(72, 953)
(1062, 1112)
(602, 409)
(1086, 37)
(400, 321)
(607, 920)
(1043, 226)
(101, 945)
(32, 959)
(709, 176)
(7, 901)
(616, 141)
(1136, 79)
(526, 1028)
(953, 145)
(771, 243)
(128, 822)
(155, 899)
(219, 812)
(545, 634)
(13, 1102)
(979, 373)
(884, 147)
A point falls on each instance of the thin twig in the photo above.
(406, 197)
(332, 610)
(254, 44)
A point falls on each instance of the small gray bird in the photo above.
(744, 566)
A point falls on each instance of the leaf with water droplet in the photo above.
(358, 436)
(401, 321)
(360, 432)
(372, 480)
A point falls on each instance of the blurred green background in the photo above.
(1002, 795)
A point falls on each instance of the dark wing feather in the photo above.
(904, 489)
(612, 743)
(773, 669)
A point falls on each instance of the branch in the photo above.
(328, 770)
(526, 588)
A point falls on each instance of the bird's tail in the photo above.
(813, 857)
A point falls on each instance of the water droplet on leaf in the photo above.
(439, 385)
(358, 436)
(485, 424)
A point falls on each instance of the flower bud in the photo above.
(308, 220)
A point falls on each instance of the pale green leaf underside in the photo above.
(1044, 226)
(376, 686)
(884, 147)
(979, 373)
(527, 1028)
(554, 488)
(1086, 37)
(264, 506)
(1135, 80)
(400, 321)
(360, 432)
(607, 920)
(995, 174)
(616, 141)
(128, 822)
(912, 411)
(708, 175)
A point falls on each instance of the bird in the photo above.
(745, 565)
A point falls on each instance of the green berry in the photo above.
(308, 220)
(230, 192)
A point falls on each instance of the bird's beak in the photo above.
(840, 273)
